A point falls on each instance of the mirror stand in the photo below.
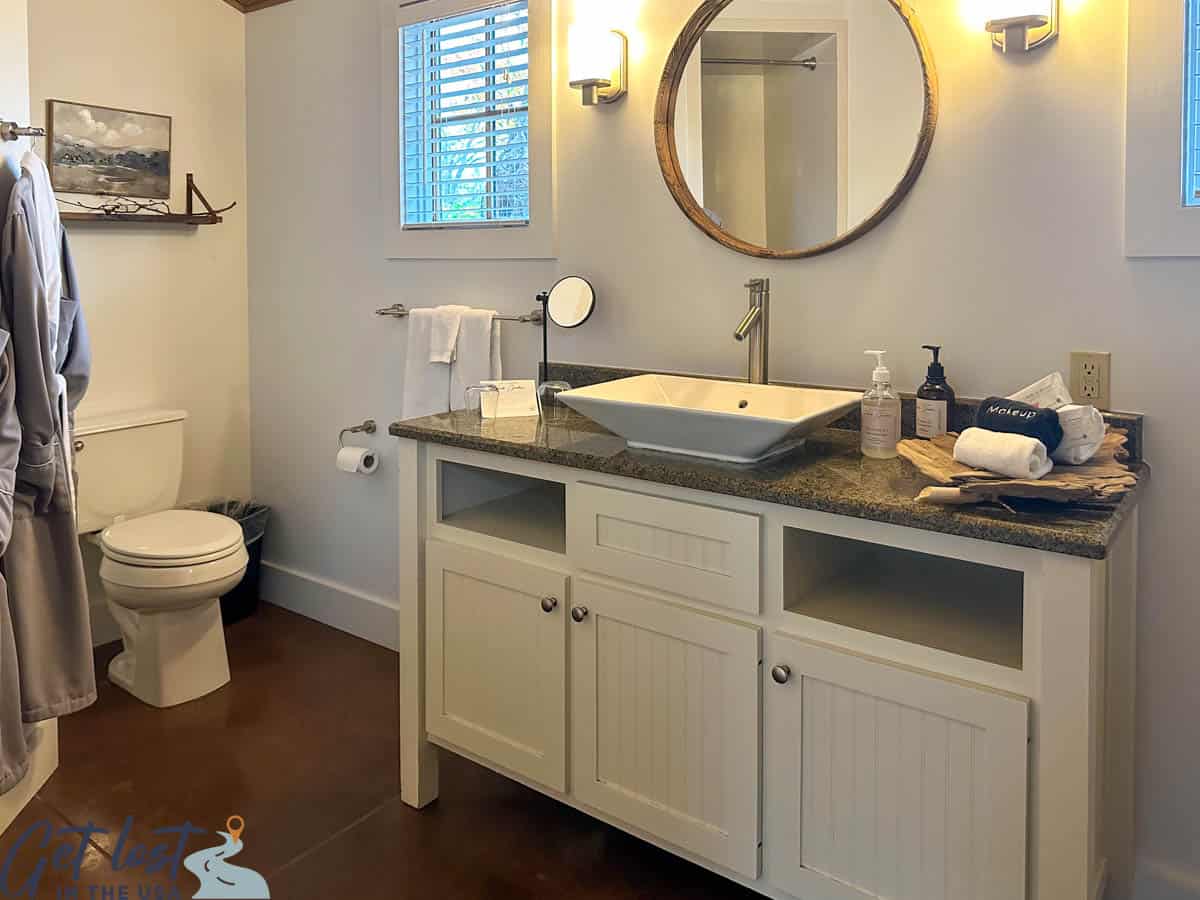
(544, 299)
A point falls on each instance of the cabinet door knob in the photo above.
(78, 446)
(781, 674)
(579, 613)
(549, 604)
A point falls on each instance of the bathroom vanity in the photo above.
(790, 674)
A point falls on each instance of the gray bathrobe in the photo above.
(46, 667)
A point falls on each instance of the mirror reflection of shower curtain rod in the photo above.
(809, 63)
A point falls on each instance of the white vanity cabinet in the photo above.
(817, 707)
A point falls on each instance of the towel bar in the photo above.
(400, 311)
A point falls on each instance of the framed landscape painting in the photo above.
(109, 152)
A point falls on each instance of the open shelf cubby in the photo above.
(964, 608)
(503, 505)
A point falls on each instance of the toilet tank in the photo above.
(129, 464)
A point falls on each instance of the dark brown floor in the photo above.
(303, 745)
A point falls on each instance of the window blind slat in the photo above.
(468, 156)
(491, 59)
(513, 14)
(462, 182)
(422, 97)
(439, 144)
(414, 52)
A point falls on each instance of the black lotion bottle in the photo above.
(935, 399)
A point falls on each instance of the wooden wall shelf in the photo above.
(154, 219)
(191, 219)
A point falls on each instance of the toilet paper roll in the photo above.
(357, 461)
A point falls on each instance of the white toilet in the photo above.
(164, 570)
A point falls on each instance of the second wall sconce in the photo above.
(1024, 25)
(599, 63)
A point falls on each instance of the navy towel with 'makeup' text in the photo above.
(1011, 417)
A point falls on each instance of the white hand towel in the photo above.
(1084, 429)
(1013, 455)
(447, 320)
(477, 358)
(426, 384)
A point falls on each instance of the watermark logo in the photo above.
(43, 849)
(219, 880)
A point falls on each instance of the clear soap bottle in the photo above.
(880, 413)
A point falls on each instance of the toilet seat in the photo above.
(178, 538)
(171, 560)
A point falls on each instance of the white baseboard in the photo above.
(1158, 879)
(371, 618)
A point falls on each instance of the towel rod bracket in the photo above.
(11, 131)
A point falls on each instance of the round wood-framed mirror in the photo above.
(784, 134)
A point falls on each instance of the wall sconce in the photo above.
(1023, 25)
(599, 63)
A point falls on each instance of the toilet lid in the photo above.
(175, 537)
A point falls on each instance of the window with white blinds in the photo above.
(1191, 118)
(465, 119)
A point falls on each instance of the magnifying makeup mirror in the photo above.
(572, 301)
(569, 304)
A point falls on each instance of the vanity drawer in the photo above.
(707, 554)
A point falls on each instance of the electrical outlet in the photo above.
(1091, 379)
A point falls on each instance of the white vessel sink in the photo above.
(723, 420)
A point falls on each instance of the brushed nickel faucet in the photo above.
(757, 327)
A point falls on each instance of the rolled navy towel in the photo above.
(1013, 417)
(1014, 455)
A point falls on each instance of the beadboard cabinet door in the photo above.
(665, 712)
(886, 782)
(497, 652)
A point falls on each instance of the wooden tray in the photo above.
(1104, 481)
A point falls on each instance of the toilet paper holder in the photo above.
(368, 427)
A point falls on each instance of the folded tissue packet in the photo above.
(1013, 455)
(1014, 417)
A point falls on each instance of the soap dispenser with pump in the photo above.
(935, 399)
(880, 413)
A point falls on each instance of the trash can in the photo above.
(242, 601)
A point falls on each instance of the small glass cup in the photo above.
(550, 408)
(475, 403)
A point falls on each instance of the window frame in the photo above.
(1157, 223)
(1190, 170)
(487, 113)
(486, 240)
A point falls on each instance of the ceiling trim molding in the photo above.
(249, 6)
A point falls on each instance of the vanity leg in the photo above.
(418, 757)
(1065, 850)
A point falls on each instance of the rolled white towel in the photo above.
(1013, 455)
(1083, 434)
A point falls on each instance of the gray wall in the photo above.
(1027, 167)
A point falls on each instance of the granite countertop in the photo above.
(828, 474)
